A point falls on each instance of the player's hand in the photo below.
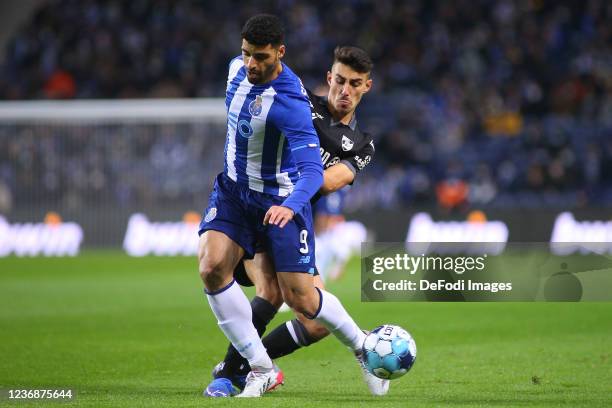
(278, 215)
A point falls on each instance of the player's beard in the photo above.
(265, 75)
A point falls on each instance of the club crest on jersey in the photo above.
(255, 106)
(211, 214)
(316, 115)
(347, 144)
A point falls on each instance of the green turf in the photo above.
(139, 332)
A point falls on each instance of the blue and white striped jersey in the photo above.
(267, 124)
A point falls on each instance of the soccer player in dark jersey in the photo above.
(345, 150)
(272, 169)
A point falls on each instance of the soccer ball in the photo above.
(389, 352)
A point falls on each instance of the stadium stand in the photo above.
(476, 103)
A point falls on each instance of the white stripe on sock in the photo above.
(292, 332)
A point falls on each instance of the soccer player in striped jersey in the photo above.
(345, 150)
(272, 169)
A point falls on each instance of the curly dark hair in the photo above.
(264, 29)
(355, 58)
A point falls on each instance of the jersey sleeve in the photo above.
(295, 122)
(362, 157)
(234, 65)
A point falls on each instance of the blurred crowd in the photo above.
(126, 165)
(475, 102)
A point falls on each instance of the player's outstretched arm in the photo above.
(342, 174)
(311, 178)
(336, 177)
(293, 114)
(308, 162)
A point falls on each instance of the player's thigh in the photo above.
(299, 292)
(218, 254)
(261, 272)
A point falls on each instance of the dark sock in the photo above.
(280, 341)
(263, 313)
(234, 363)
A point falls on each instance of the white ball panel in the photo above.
(383, 348)
(370, 341)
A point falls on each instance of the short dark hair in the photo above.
(355, 58)
(263, 29)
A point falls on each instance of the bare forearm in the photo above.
(335, 178)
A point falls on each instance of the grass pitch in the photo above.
(127, 332)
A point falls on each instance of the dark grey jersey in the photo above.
(340, 143)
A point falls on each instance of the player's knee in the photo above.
(302, 303)
(294, 303)
(211, 271)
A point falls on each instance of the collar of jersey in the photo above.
(352, 124)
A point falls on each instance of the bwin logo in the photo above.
(347, 144)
